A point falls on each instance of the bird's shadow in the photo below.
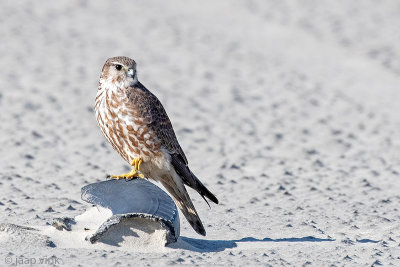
(203, 245)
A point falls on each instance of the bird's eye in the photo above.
(118, 67)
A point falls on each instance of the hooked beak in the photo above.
(131, 73)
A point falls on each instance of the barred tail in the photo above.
(184, 203)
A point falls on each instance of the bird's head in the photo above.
(120, 71)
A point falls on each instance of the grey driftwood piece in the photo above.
(136, 202)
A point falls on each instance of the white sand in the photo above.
(136, 234)
(288, 111)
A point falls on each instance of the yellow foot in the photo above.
(134, 173)
(136, 163)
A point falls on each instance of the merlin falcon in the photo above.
(135, 123)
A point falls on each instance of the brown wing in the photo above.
(153, 113)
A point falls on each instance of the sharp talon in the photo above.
(133, 174)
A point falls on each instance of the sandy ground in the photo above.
(288, 111)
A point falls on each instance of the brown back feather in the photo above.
(153, 112)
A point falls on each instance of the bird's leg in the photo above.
(134, 173)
